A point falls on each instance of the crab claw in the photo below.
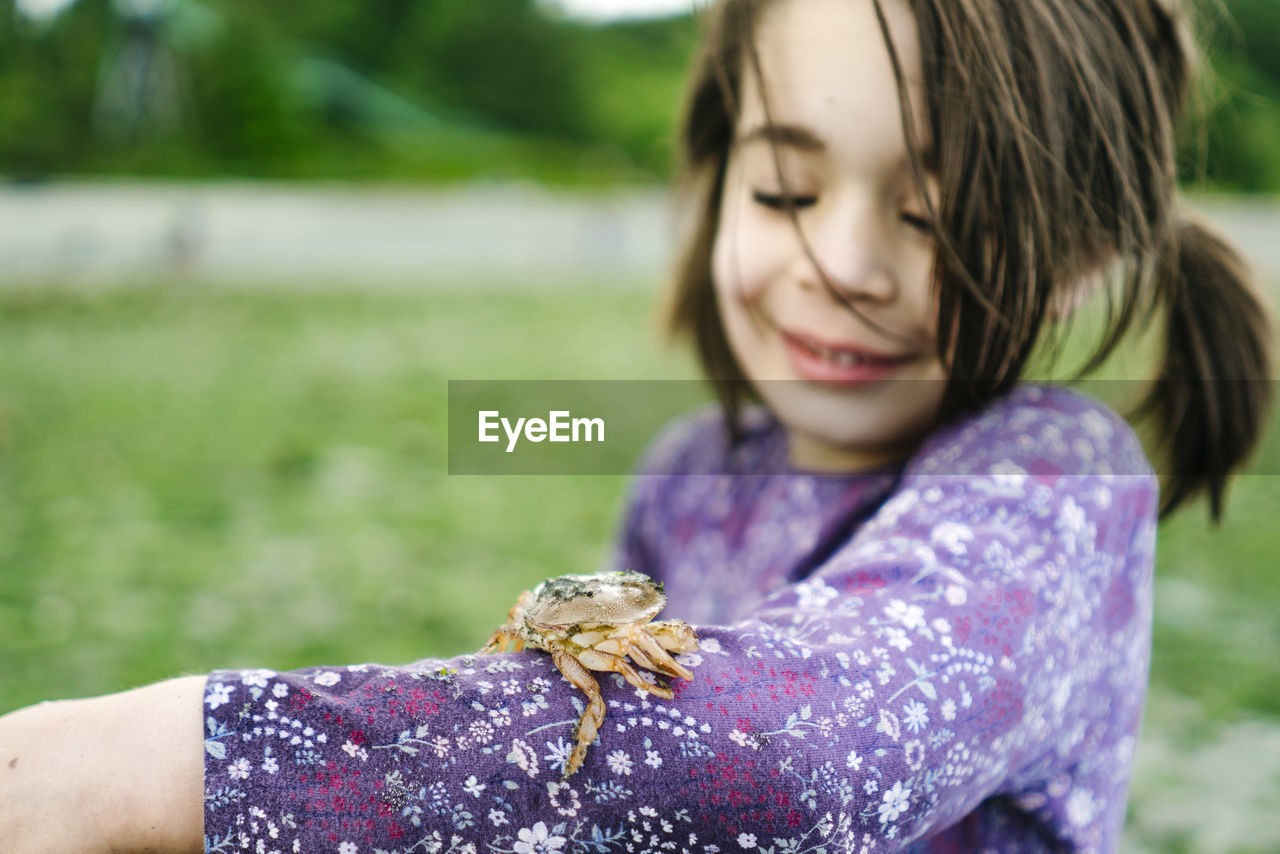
(652, 642)
(498, 642)
(510, 633)
(608, 662)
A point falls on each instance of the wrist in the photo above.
(47, 782)
(151, 792)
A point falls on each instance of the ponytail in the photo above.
(1213, 390)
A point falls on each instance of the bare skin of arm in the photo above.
(121, 773)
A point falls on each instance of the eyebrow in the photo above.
(803, 139)
(792, 136)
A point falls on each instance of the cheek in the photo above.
(724, 270)
(743, 260)
(923, 292)
(735, 297)
(744, 254)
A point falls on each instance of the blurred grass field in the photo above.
(202, 478)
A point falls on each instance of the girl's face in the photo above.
(852, 390)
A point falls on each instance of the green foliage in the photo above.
(240, 102)
(1236, 143)
(46, 89)
(500, 61)
(637, 81)
(442, 89)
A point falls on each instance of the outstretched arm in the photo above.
(120, 773)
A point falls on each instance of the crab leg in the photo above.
(644, 644)
(674, 635)
(592, 716)
(644, 660)
(510, 634)
(498, 641)
(608, 662)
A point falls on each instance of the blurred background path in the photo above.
(523, 235)
(301, 235)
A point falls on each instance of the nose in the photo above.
(849, 248)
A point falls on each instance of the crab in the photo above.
(595, 622)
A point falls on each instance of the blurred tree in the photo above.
(501, 58)
(636, 72)
(47, 84)
(1238, 145)
(446, 89)
(500, 61)
(248, 119)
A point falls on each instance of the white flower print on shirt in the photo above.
(1080, 807)
(558, 754)
(815, 593)
(257, 678)
(889, 724)
(564, 799)
(537, 840)
(911, 616)
(219, 693)
(915, 715)
(952, 536)
(894, 802)
(620, 763)
(328, 678)
(897, 638)
(524, 757)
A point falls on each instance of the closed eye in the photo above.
(783, 201)
(920, 223)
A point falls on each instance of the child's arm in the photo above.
(979, 641)
(121, 773)
(917, 675)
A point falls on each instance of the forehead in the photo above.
(826, 68)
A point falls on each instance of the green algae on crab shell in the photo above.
(578, 602)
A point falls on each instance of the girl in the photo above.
(923, 589)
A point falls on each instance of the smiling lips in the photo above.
(821, 361)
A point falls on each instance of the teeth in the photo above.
(845, 359)
(842, 358)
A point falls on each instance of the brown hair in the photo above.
(1054, 127)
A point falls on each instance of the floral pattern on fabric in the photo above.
(950, 656)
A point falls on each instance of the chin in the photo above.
(873, 423)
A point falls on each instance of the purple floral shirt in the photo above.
(947, 656)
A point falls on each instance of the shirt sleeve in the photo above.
(680, 449)
(632, 550)
(969, 666)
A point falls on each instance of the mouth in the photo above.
(842, 364)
